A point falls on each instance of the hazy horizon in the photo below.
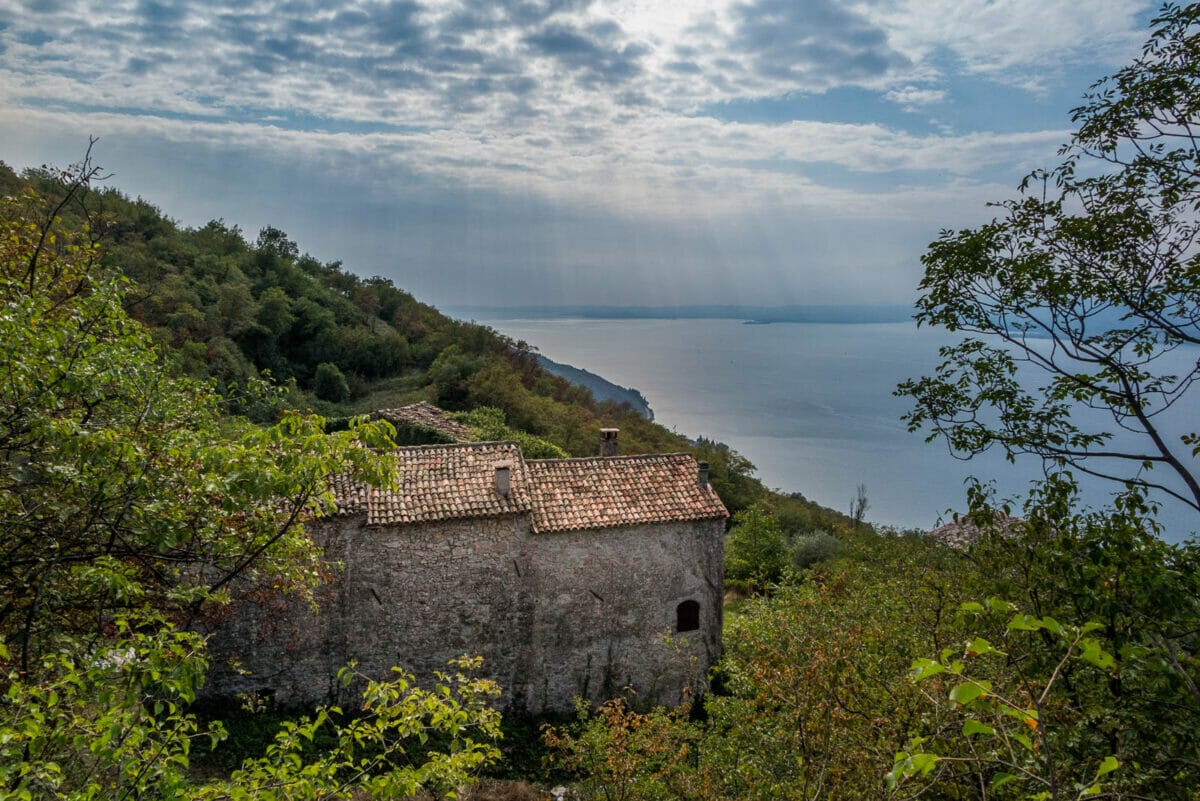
(811, 405)
(812, 312)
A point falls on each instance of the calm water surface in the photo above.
(810, 404)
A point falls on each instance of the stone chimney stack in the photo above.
(608, 441)
(702, 475)
(503, 478)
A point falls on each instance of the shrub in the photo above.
(813, 549)
(330, 384)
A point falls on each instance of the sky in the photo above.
(612, 152)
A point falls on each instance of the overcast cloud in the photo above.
(513, 152)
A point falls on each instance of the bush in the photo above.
(487, 424)
(812, 549)
(329, 384)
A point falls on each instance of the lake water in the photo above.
(810, 404)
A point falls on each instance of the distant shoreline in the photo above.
(757, 315)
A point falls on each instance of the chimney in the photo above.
(503, 478)
(702, 475)
(608, 441)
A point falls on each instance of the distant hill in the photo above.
(845, 313)
(601, 388)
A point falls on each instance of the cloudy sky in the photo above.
(567, 151)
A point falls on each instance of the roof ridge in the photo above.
(449, 445)
(645, 457)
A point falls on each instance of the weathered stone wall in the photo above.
(554, 615)
(604, 612)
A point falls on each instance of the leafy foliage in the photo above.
(329, 383)
(113, 723)
(100, 722)
(374, 751)
(1011, 734)
(755, 550)
(760, 552)
(809, 550)
(620, 754)
(1094, 644)
(124, 485)
(487, 424)
(1090, 280)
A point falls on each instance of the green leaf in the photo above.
(1024, 622)
(967, 692)
(972, 728)
(924, 763)
(925, 668)
(998, 605)
(1001, 779)
(1092, 653)
(979, 647)
(1107, 766)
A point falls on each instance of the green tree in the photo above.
(808, 550)
(1090, 278)
(275, 311)
(755, 549)
(122, 485)
(275, 242)
(1080, 676)
(449, 374)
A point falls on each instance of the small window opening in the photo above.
(687, 616)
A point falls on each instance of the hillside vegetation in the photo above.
(227, 310)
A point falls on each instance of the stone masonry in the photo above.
(584, 578)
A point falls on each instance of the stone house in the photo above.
(571, 577)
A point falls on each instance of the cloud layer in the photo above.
(618, 113)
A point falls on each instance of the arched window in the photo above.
(687, 616)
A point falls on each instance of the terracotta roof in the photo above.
(350, 495)
(425, 415)
(441, 482)
(574, 494)
(448, 482)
